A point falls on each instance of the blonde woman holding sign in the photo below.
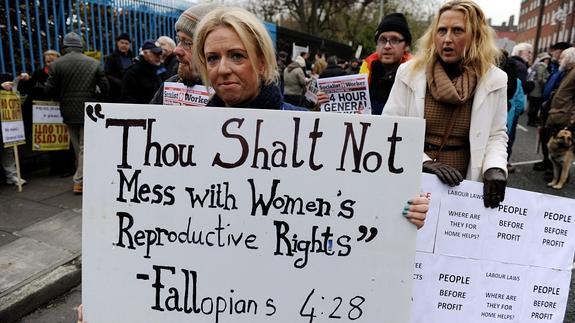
(236, 57)
(454, 85)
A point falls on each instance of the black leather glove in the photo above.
(494, 182)
(446, 173)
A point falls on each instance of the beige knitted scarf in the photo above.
(453, 92)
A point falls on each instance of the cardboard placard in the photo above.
(49, 133)
(347, 94)
(508, 264)
(11, 119)
(213, 215)
(180, 94)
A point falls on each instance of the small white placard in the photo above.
(347, 94)
(180, 94)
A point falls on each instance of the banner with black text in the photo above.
(232, 215)
(508, 264)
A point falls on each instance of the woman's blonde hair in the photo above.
(252, 34)
(480, 53)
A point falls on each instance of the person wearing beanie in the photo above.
(185, 27)
(393, 39)
(73, 80)
(73, 40)
(116, 64)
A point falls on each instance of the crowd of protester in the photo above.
(542, 88)
(470, 92)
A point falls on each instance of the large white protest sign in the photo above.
(347, 94)
(509, 264)
(179, 94)
(232, 215)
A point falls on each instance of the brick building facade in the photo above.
(557, 22)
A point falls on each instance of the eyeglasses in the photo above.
(392, 41)
(186, 44)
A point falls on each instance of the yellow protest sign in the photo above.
(49, 133)
(11, 119)
(97, 55)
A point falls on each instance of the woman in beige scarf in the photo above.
(453, 83)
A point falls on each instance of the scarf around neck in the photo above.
(445, 90)
(270, 97)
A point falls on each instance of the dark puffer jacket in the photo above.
(72, 80)
(141, 81)
(332, 70)
(171, 65)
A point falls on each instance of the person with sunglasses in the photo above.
(393, 39)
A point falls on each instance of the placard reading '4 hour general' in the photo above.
(229, 215)
(508, 264)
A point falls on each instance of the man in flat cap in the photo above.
(116, 64)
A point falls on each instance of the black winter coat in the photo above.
(140, 82)
(171, 65)
(115, 73)
(332, 71)
(72, 80)
(521, 68)
(34, 90)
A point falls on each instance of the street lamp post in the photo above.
(571, 24)
(539, 27)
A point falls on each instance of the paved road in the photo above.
(524, 155)
(60, 310)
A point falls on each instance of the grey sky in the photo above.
(500, 10)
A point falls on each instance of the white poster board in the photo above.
(230, 215)
(179, 94)
(509, 264)
(347, 94)
(297, 50)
